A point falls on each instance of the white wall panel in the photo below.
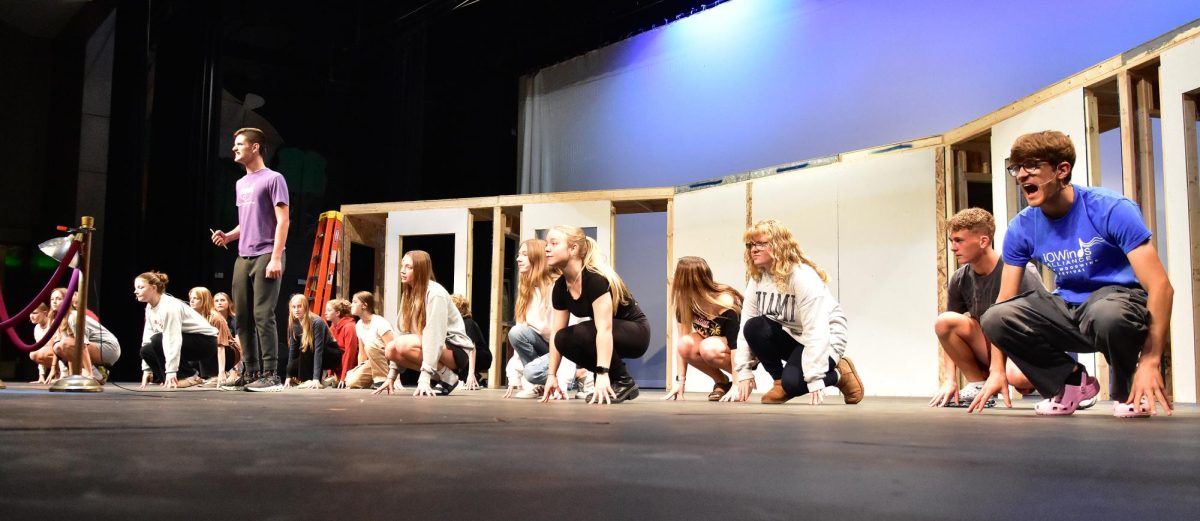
(1178, 73)
(450, 221)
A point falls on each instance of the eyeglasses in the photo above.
(759, 245)
(1028, 165)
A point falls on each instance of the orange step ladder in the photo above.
(322, 269)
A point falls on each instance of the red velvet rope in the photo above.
(63, 309)
(41, 297)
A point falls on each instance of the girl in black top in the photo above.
(617, 329)
(311, 347)
(706, 326)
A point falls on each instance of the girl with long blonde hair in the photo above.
(530, 336)
(434, 339)
(706, 326)
(790, 316)
(201, 300)
(310, 345)
(618, 329)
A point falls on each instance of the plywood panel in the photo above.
(888, 255)
(1178, 74)
(709, 223)
(806, 202)
(581, 214)
(1066, 113)
(453, 221)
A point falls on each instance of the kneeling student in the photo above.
(972, 290)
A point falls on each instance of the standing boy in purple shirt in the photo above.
(262, 202)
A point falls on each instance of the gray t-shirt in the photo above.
(970, 291)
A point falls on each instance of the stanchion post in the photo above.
(78, 382)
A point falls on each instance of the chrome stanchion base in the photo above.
(76, 384)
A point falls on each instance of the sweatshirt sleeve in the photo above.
(172, 333)
(433, 338)
(812, 314)
(742, 355)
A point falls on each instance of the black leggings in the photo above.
(773, 346)
(302, 367)
(578, 342)
(195, 346)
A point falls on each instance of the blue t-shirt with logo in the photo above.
(1086, 248)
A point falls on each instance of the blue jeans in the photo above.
(529, 346)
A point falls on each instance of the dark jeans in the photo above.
(773, 346)
(578, 343)
(255, 296)
(1037, 330)
(302, 367)
(195, 346)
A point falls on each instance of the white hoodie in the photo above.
(807, 311)
(172, 317)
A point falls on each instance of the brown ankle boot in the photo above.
(848, 382)
(777, 394)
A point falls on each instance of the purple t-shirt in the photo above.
(258, 194)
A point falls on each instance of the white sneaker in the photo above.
(530, 393)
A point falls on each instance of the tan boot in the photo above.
(777, 394)
(848, 382)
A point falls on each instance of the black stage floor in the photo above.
(329, 454)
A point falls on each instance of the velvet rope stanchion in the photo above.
(78, 382)
(59, 316)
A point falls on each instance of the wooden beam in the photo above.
(1192, 170)
(650, 197)
(612, 236)
(1129, 173)
(1144, 96)
(495, 330)
(943, 194)
(469, 290)
(1092, 140)
(957, 183)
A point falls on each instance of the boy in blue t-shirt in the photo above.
(1113, 295)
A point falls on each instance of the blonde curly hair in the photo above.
(785, 253)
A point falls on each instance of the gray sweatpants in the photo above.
(1037, 329)
(256, 329)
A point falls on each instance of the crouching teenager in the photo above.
(433, 339)
(1113, 295)
(790, 316)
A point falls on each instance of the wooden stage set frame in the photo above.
(875, 218)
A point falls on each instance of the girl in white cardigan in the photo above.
(174, 333)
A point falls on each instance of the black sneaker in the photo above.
(266, 384)
(443, 388)
(624, 389)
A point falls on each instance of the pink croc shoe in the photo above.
(1067, 400)
(1125, 410)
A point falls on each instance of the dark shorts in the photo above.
(462, 360)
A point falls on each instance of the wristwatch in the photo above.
(601, 370)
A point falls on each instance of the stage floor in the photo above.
(332, 454)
